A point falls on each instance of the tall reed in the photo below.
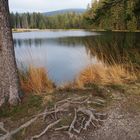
(105, 75)
(35, 80)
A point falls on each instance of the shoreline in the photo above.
(94, 30)
(127, 31)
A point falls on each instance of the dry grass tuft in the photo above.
(35, 80)
(105, 75)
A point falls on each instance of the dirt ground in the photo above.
(119, 119)
(123, 122)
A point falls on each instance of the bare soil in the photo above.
(116, 110)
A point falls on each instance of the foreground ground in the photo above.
(98, 112)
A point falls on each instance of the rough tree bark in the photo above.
(9, 81)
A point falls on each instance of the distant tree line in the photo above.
(100, 14)
(38, 20)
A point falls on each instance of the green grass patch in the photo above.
(28, 107)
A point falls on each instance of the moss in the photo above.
(29, 105)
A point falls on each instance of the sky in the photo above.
(45, 5)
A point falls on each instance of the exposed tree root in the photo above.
(2, 127)
(83, 119)
(92, 120)
(72, 127)
(66, 102)
(8, 135)
(46, 129)
(62, 128)
(91, 116)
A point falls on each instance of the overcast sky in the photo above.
(45, 5)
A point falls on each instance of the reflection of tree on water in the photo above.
(38, 42)
(113, 48)
(108, 47)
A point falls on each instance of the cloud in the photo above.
(45, 5)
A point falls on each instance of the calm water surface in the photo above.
(65, 53)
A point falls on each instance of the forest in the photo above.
(40, 21)
(103, 14)
(114, 14)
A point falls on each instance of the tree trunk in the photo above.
(9, 81)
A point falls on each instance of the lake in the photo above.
(65, 53)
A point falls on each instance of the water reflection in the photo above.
(66, 53)
(115, 47)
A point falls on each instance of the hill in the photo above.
(64, 11)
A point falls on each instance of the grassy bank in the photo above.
(36, 80)
(106, 75)
(23, 30)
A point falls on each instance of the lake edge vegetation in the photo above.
(35, 79)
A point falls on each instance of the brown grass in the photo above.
(35, 80)
(105, 75)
